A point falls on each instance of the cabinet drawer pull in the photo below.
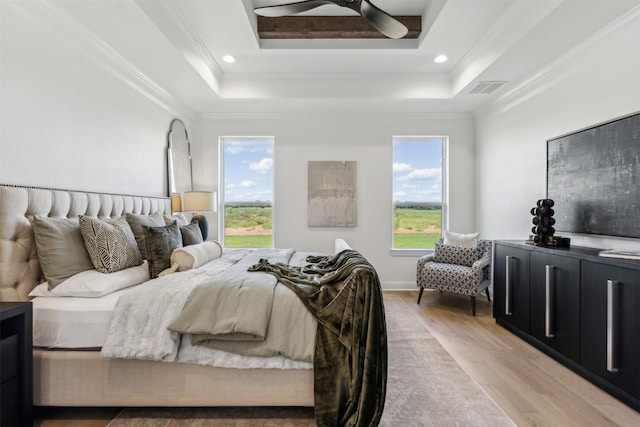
(507, 287)
(612, 325)
(548, 303)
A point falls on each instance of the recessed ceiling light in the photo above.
(229, 59)
(440, 59)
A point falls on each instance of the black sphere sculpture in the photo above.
(543, 222)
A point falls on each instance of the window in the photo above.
(419, 191)
(246, 187)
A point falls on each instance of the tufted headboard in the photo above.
(19, 266)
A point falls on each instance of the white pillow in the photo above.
(193, 256)
(92, 283)
(341, 245)
(466, 240)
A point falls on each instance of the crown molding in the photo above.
(555, 71)
(403, 85)
(511, 26)
(349, 76)
(60, 24)
(170, 18)
(361, 115)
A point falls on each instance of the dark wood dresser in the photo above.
(576, 306)
(16, 364)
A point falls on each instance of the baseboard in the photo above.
(399, 286)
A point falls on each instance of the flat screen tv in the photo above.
(593, 175)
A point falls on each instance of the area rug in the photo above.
(426, 387)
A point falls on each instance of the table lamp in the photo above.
(198, 202)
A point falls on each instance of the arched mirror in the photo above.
(179, 158)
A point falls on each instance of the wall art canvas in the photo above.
(593, 175)
(332, 194)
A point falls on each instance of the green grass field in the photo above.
(415, 240)
(248, 241)
(428, 221)
(241, 217)
(416, 219)
(405, 219)
(248, 217)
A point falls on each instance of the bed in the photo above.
(69, 370)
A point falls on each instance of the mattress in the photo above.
(72, 322)
(82, 323)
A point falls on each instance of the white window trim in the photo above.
(221, 187)
(417, 252)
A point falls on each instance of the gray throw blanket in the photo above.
(350, 363)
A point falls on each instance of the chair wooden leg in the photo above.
(420, 295)
(473, 305)
(487, 291)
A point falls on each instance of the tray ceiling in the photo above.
(179, 45)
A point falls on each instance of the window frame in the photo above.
(221, 183)
(444, 139)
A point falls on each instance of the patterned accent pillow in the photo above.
(160, 243)
(191, 234)
(452, 254)
(110, 243)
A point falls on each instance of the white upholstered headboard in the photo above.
(19, 266)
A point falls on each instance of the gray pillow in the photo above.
(453, 254)
(137, 221)
(110, 243)
(160, 243)
(178, 217)
(60, 248)
(191, 234)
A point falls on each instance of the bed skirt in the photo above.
(84, 378)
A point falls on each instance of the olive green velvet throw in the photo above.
(350, 362)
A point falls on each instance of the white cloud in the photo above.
(422, 174)
(263, 166)
(234, 147)
(247, 184)
(401, 167)
(247, 146)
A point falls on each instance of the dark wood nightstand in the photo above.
(16, 364)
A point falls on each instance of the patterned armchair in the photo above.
(458, 269)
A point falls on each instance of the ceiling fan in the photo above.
(378, 18)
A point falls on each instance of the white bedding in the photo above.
(72, 322)
(75, 322)
(139, 326)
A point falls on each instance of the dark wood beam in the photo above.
(329, 27)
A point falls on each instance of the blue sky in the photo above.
(248, 168)
(417, 170)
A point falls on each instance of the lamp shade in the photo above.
(176, 202)
(199, 201)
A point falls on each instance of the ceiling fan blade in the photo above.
(382, 21)
(290, 8)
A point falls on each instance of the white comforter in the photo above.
(138, 328)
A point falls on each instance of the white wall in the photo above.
(365, 138)
(69, 119)
(73, 115)
(597, 82)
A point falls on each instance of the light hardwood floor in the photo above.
(530, 387)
